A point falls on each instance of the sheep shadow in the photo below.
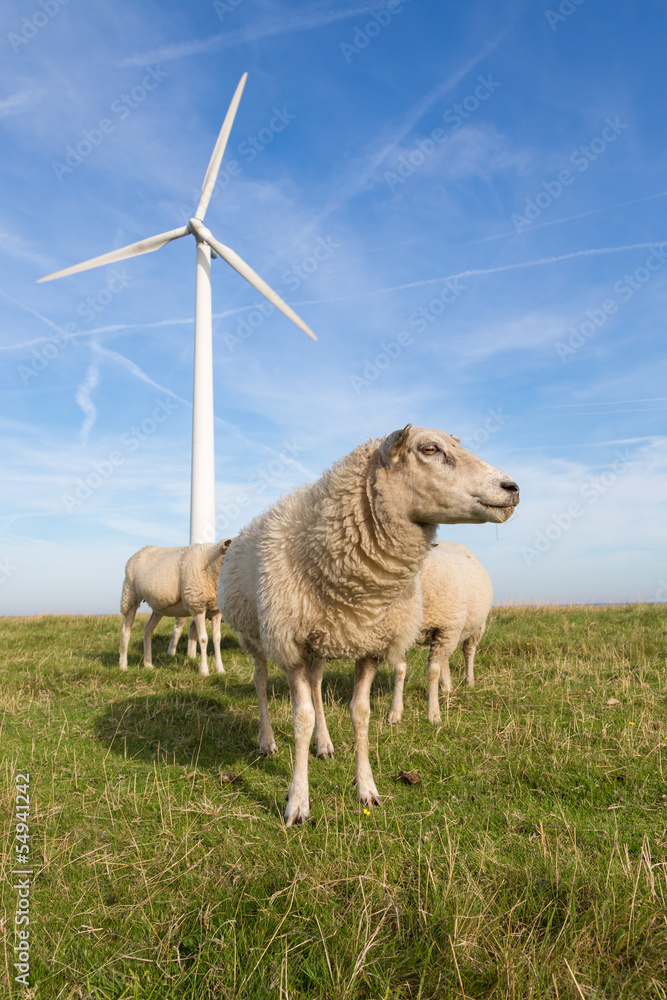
(178, 727)
(194, 732)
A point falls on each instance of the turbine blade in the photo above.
(133, 250)
(247, 272)
(218, 152)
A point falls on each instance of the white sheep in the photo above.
(456, 599)
(332, 570)
(181, 582)
(457, 595)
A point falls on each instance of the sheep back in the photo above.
(153, 575)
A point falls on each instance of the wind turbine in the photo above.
(202, 495)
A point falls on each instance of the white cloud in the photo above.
(16, 103)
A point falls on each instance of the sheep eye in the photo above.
(430, 449)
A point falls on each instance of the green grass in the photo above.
(530, 860)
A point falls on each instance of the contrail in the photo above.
(490, 270)
(138, 372)
(33, 312)
(610, 402)
(85, 402)
(447, 277)
(568, 218)
(362, 170)
(113, 328)
(284, 26)
(593, 444)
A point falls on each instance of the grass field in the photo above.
(529, 861)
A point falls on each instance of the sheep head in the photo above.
(435, 480)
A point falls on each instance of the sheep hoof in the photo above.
(371, 797)
(220, 669)
(434, 718)
(203, 673)
(325, 751)
(295, 813)
(394, 717)
(148, 666)
(268, 747)
(446, 688)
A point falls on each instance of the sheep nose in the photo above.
(510, 486)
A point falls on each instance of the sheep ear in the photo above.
(455, 438)
(224, 544)
(393, 445)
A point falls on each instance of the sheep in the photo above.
(174, 581)
(332, 569)
(456, 598)
(457, 595)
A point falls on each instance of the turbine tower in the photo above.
(202, 494)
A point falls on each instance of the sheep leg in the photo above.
(125, 635)
(216, 620)
(303, 715)
(325, 747)
(438, 671)
(360, 710)
(469, 650)
(267, 743)
(148, 639)
(400, 670)
(200, 622)
(179, 625)
(443, 645)
(445, 677)
(192, 641)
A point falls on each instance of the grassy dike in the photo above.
(529, 861)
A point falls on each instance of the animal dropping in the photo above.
(230, 778)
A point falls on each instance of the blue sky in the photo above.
(465, 201)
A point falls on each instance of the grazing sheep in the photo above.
(174, 581)
(332, 570)
(456, 600)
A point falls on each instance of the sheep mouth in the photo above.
(501, 512)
